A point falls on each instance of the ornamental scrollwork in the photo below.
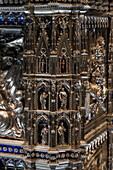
(96, 86)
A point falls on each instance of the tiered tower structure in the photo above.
(56, 83)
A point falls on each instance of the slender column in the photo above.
(53, 34)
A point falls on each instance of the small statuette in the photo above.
(63, 99)
(61, 131)
(43, 98)
(44, 133)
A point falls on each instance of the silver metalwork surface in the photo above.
(56, 84)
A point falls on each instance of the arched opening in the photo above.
(63, 65)
(63, 132)
(42, 131)
(43, 65)
(43, 98)
(63, 99)
(42, 62)
(63, 61)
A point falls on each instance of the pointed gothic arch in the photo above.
(66, 88)
(42, 130)
(43, 64)
(42, 89)
(42, 55)
(64, 55)
(21, 164)
(63, 122)
(11, 163)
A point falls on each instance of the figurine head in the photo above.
(101, 41)
(62, 88)
(62, 124)
(44, 125)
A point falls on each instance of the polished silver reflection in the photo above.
(96, 86)
(11, 107)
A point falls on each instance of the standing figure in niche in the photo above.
(61, 131)
(43, 66)
(44, 132)
(43, 99)
(63, 66)
(63, 99)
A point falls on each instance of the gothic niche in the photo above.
(63, 99)
(43, 62)
(43, 98)
(63, 132)
(63, 62)
(42, 131)
(96, 86)
(11, 106)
